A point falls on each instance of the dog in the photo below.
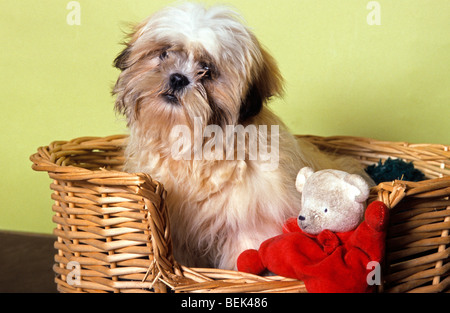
(189, 67)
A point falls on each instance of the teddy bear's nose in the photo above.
(301, 217)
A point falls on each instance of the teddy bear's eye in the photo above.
(326, 210)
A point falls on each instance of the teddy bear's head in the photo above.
(331, 199)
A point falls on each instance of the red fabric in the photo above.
(328, 262)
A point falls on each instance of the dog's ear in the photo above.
(120, 61)
(267, 82)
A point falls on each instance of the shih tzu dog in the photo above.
(193, 86)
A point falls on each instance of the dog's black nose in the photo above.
(301, 218)
(178, 81)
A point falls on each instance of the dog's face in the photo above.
(189, 62)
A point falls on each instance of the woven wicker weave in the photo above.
(114, 225)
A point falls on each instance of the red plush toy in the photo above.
(327, 262)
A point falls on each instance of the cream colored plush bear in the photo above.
(331, 199)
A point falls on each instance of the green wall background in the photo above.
(343, 77)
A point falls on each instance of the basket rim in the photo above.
(43, 159)
(47, 157)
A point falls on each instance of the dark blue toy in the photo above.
(393, 169)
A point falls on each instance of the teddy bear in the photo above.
(327, 246)
(331, 199)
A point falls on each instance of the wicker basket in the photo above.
(113, 230)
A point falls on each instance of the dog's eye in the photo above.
(326, 210)
(163, 55)
(205, 71)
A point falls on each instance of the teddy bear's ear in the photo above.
(302, 176)
(362, 192)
